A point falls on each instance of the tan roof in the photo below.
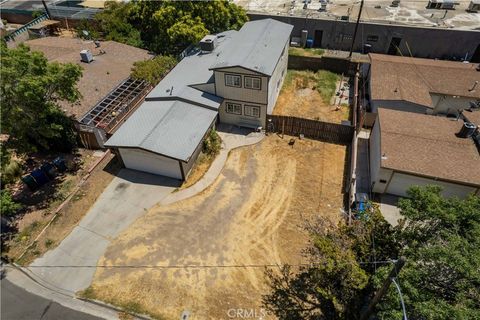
(473, 116)
(100, 76)
(413, 79)
(427, 145)
(43, 24)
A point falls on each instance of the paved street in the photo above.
(70, 266)
(19, 304)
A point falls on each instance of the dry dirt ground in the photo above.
(33, 222)
(209, 250)
(300, 98)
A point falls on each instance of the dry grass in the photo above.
(253, 214)
(69, 217)
(201, 166)
(306, 94)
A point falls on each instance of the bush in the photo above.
(8, 207)
(212, 143)
(153, 70)
(11, 172)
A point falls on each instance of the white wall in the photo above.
(276, 80)
(141, 160)
(400, 182)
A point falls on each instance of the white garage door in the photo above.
(401, 182)
(149, 162)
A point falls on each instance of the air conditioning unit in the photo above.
(208, 43)
(86, 56)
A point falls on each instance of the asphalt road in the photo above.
(19, 304)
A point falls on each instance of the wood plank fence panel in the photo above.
(312, 129)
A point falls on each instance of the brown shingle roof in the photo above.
(413, 79)
(100, 76)
(428, 146)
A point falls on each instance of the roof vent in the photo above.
(468, 129)
(86, 56)
(208, 43)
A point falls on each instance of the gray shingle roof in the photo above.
(170, 128)
(257, 46)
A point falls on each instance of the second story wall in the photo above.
(242, 85)
(276, 81)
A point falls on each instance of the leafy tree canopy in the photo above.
(8, 207)
(440, 238)
(166, 27)
(153, 70)
(31, 88)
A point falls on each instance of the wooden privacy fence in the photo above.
(313, 129)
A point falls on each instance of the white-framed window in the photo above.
(253, 83)
(234, 108)
(233, 80)
(252, 111)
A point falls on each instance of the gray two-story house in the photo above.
(234, 77)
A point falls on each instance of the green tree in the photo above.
(31, 88)
(114, 23)
(167, 27)
(153, 70)
(8, 207)
(441, 240)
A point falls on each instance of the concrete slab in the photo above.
(363, 167)
(71, 265)
(389, 209)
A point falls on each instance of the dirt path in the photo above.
(252, 215)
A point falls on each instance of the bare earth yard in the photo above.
(252, 215)
(306, 94)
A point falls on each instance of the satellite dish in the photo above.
(85, 33)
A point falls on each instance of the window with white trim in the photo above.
(232, 80)
(252, 111)
(234, 108)
(253, 83)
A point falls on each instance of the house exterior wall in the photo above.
(242, 119)
(400, 182)
(241, 93)
(276, 81)
(149, 162)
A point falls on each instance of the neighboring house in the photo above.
(422, 85)
(234, 77)
(409, 149)
(112, 64)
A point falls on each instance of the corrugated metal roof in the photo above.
(257, 46)
(170, 128)
(192, 70)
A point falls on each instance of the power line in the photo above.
(401, 298)
(191, 266)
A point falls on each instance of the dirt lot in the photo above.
(37, 216)
(209, 251)
(309, 95)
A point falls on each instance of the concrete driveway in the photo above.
(70, 266)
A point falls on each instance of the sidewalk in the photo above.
(232, 137)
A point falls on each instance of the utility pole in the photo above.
(356, 29)
(46, 9)
(383, 290)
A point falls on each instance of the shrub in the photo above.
(212, 143)
(11, 172)
(8, 207)
(153, 70)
